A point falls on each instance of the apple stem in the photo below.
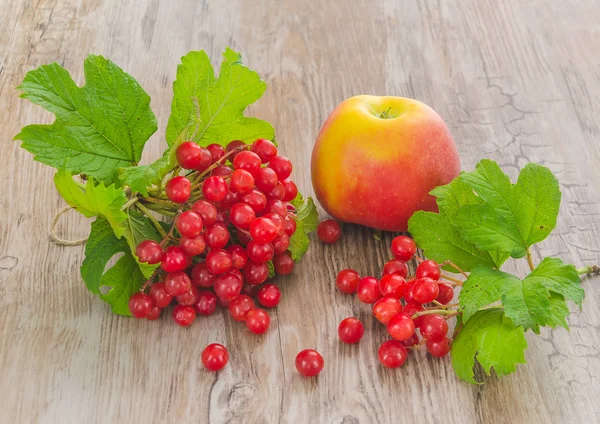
(385, 114)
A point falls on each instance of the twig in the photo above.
(436, 311)
(589, 270)
(131, 202)
(529, 260)
(58, 240)
(453, 265)
(454, 280)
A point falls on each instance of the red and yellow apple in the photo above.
(377, 158)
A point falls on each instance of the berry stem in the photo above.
(436, 312)
(131, 202)
(589, 270)
(529, 260)
(196, 182)
(149, 280)
(453, 265)
(151, 217)
(456, 281)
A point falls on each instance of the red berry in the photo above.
(140, 305)
(234, 145)
(428, 269)
(396, 266)
(191, 156)
(255, 273)
(241, 181)
(368, 290)
(250, 289)
(439, 348)
(221, 171)
(248, 161)
(425, 290)
(351, 330)
(177, 283)
(184, 315)
(269, 296)
(309, 362)
(218, 261)
(189, 224)
(446, 293)
(265, 149)
(263, 230)
(189, 298)
(160, 296)
(154, 313)
(347, 281)
(329, 231)
(401, 327)
(412, 341)
(260, 253)
(193, 246)
(216, 150)
(216, 236)
(240, 306)
(241, 215)
(392, 285)
(282, 167)
(392, 354)
(214, 188)
(275, 206)
(281, 244)
(206, 210)
(201, 276)
(238, 256)
(277, 192)
(149, 252)
(258, 321)
(385, 308)
(403, 248)
(289, 225)
(214, 357)
(178, 189)
(227, 287)
(207, 303)
(230, 199)
(256, 199)
(265, 179)
(291, 191)
(283, 263)
(433, 327)
(412, 308)
(277, 220)
(174, 259)
(408, 292)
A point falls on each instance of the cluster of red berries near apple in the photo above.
(234, 217)
(408, 306)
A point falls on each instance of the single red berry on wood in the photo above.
(309, 363)
(178, 189)
(403, 248)
(184, 315)
(240, 306)
(392, 354)
(140, 305)
(392, 285)
(347, 281)
(214, 357)
(351, 330)
(149, 252)
(368, 290)
(429, 269)
(207, 303)
(396, 266)
(269, 296)
(329, 231)
(258, 321)
(385, 308)
(401, 327)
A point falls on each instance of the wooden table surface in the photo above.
(516, 81)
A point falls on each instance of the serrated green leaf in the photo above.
(530, 302)
(307, 220)
(512, 217)
(99, 127)
(118, 283)
(93, 199)
(309, 216)
(492, 340)
(220, 102)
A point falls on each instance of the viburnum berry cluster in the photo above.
(231, 232)
(415, 309)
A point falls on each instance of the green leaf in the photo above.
(491, 339)
(137, 229)
(99, 127)
(93, 199)
(438, 233)
(531, 302)
(271, 269)
(512, 217)
(116, 285)
(307, 220)
(215, 107)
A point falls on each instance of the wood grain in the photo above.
(516, 81)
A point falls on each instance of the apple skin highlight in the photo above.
(377, 158)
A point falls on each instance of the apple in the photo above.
(377, 158)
